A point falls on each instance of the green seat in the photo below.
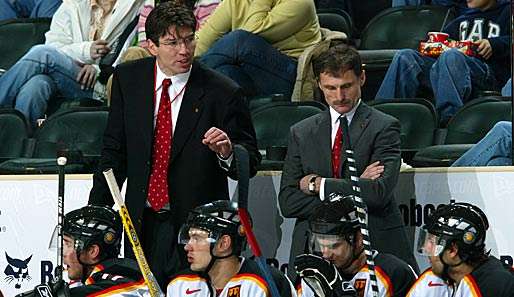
(14, 133)
(335, 20)
(404, 27)
(467, 127)
(273, 121)
(418, 121)
(76, 133)
(17, 36)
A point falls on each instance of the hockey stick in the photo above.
(360, 204)
(61, 162)
(243, 169)
(151, 282)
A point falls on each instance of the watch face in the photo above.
(312, 186)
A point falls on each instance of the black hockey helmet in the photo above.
(334, 220)
(461, 223)
(217, 218)
(94, 224)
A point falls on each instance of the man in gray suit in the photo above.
(316, 165)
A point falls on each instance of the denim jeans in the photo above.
(495, 149)
(10, 9)
(253, 63)
(507, 89)
(452, 77)
(30, 83)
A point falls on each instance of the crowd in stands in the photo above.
(177, 76)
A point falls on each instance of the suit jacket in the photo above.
(374, 136)
(195, 176)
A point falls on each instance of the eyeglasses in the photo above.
(176, 43)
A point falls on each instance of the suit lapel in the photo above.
(322, 137)
(359, 122)
(190, 110)
(144, 94)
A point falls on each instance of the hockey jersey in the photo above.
(489, 279)
(394, 278)
(248, 282)
(113, 277)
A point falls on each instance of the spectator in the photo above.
(453, 238)
(82, 33)
(176, 152)
(213, 242)
(14, 9)
(313, 167)
(257, 42)
(459, 5)
(337, 255)
(454, 77)
(495, 149)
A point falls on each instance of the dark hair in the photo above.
(337, 60)
(166, 15)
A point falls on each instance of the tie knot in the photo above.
(166, 83)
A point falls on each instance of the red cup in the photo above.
(437, 37)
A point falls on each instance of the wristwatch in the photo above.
(312, 184)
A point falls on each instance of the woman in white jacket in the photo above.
(81, 33)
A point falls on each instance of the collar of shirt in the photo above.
(334, 119)
(178, 81)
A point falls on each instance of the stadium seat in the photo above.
(375, 62)
(362, 11)
(76, 133)
(418, 121)
(404, 27)
(17, 36)
(335, 20)
(467, 127)
(272, 123)
(14, 133)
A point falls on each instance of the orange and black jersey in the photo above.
(490, 279)
(113, 277)
(248, 282)
(394, 278)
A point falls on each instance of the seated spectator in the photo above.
(337, 257)
(454, 77)
(459, 5)
(454, 240)
(213, 239)
(82, 34)
(14, 9)
(257, 42)
(495, 149)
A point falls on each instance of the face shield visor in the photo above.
(430, 244)
(326, 245)
(195, 236)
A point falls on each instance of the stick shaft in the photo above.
(130, 231)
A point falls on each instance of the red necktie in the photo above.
(158, 194)
(336, 152)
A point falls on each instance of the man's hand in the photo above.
(304, 184)
(87, 76)
(484, 48)
(218, 142)
(373, 171)
(99, 48)
(321, 275)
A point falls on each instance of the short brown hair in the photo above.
(336, 60)
(166, 15)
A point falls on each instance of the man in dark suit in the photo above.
(316, 166)
(172, 125)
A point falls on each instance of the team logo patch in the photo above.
(360, 286)
(234, 291)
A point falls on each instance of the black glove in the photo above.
(321, 275)
(346, 289)
(51, 289)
